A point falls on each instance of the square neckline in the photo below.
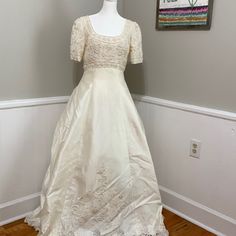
(103, 35)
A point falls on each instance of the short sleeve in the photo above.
(77, 42)
(136, 50)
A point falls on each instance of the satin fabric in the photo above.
(101, 178)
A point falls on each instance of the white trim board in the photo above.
(197, 213)
(13, 219)
(193, 221)
(12, 210)
(8, 104)
(186, 107)
(19, 200)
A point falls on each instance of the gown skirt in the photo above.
(101, 179)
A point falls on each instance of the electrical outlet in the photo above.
(195, 148)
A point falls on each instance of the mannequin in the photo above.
(101, 184)
(108, 21)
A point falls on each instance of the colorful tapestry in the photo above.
(183, 13)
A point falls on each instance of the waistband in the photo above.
(103, 74)
(108, 67)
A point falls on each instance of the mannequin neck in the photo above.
(109, 8)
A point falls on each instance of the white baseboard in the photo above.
(12, 210)
(13, 219)
(9, 104)
(197, 213)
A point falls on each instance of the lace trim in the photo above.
(136, 52)
(101, 207)
(33, 222)
(99, 50)
(136, 60)
(36, 226)
(77, 41)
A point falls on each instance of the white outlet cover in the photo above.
(195, 148)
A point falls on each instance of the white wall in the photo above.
(194, 67)
(34, 46)
(201, 190)
(26, 131)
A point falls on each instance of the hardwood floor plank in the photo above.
(178, 226)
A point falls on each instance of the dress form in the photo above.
(108, 21)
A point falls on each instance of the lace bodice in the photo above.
(98, 50)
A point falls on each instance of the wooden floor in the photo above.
(175, 225)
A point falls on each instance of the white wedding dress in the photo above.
(101, 178)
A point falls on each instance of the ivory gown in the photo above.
(101, 178)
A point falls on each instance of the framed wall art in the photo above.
(184, 14)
